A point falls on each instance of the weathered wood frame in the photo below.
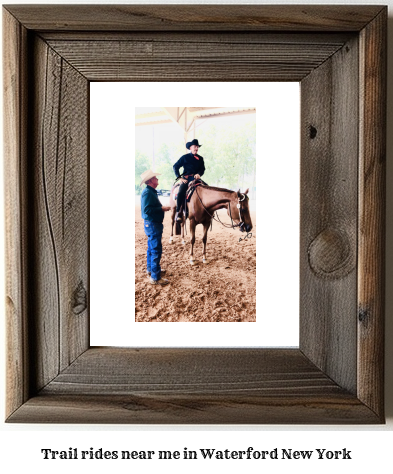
(338, 54)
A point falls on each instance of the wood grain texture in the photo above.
(214, 60)
(329, 173)
(204, 17)
(231, 37)
(372, 169)
(194, 386)
(14, 73)
(194, 409)
(52, 374)
(59, 108)
(206, 371)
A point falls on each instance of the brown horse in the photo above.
(203, 203)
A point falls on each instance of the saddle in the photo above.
(184, 208)
(190, 190)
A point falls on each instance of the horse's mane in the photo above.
(214, 188)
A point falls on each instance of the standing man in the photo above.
(193, 168)
(153, 216)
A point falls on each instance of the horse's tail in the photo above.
(173, 196)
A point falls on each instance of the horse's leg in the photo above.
(183, 224)
(173, 211)
(182, 231)
(192, 241)
(204, 240)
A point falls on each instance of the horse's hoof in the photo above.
(205, 260)
(183, 242)
(192, 262)
(171, 241)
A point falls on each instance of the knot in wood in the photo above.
(330, 254)
(313, 132)
(364, 316)
(80, 299)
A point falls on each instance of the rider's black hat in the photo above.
(194, 142)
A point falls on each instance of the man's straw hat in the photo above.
(146, 175)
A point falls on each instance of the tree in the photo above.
(211, 152)
(229, 155)
(165, 161)
(142, 163)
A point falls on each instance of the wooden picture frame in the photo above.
(338, 54)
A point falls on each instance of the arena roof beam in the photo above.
(183, 117)
(157, 117)
(186, 117)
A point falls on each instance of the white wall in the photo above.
(371, 446)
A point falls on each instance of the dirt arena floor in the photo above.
(224, 290)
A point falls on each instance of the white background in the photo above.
(112, 215)
(370, 445)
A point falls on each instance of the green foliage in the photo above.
(229, 155)
(142, 163)
(164, 165)
(166, 157)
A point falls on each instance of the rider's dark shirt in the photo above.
(190, 164)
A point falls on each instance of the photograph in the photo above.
(195, 219)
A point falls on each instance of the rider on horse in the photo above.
(193, 168)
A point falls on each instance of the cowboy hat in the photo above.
(146, 175)
(194, 142)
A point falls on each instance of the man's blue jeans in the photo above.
(153, 230)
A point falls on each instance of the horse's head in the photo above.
(244, 218)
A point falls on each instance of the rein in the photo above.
(177, 179)
(232, 225)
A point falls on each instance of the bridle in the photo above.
(241, 223)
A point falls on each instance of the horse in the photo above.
(204, 201)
